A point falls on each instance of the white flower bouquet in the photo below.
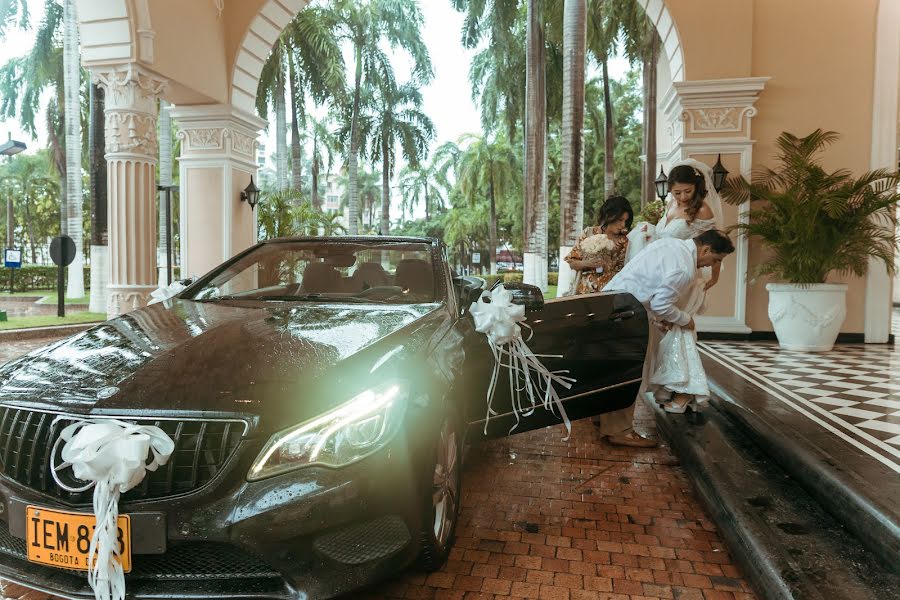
(598, 246)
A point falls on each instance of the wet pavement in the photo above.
(12, 349)
(542, 518)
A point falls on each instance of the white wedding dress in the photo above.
(673, 364)
(676, 367)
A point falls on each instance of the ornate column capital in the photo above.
(131, 110)
(217, 131)
(712, 109)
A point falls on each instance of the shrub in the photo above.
(35, 277)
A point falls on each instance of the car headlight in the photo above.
(338, 438)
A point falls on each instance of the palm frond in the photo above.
(815, 222)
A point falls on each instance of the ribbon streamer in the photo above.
(111, 456)
(530, 382)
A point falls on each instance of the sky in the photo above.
(447, 99)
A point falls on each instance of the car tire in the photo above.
(441, 496)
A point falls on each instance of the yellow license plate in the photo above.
(63, 539)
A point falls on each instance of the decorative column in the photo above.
(706, 119)
(131, 155)
(218, 158)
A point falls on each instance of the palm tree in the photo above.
(602, 33)
(367, 25)
(72, 86)
(32, 178)
(165, 179)
(497, 72)
(323, 142)
(488, 169)
(421, 185)
(99, 239)
(465, 230)
(13, 13)
(571, 198)
(308, 55)
(534, 217)
(396, 116)
(23, 81)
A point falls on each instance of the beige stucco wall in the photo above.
(820, 57)
(716, 37)
(720, 300)
(186, 31)
(822, 76)
(202, 218)
(240, 14)
(243, 221)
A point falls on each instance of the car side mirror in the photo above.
(527, 295)
(468, 290)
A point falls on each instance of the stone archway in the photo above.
(659, 15)
(255, 47)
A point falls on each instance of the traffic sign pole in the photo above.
(62, 252)
(60, 291)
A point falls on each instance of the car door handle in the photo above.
(621, 316)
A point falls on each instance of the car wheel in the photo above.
(442, 496)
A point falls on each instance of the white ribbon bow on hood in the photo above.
(169, 291)
(111, 456)
(501, 321)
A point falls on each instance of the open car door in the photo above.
(600, 339)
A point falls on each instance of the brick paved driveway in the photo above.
(573, 520)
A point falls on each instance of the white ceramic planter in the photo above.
(807, 318)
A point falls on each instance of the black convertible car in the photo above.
(319, 392)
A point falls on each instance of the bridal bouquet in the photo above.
(598, 246)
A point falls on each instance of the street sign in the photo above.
(12, 258)
(62, 251)
(476, 258)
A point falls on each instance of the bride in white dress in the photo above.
(676, 374)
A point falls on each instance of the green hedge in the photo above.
(34, 277)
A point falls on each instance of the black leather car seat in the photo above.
(320, 278)
(369, 275)
(415, 275)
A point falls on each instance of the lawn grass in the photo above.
(52, 299)
(47, 297)
(31, 293)
(551, 292)
(47, 321)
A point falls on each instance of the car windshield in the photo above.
(326, 271)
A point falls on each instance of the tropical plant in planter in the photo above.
(815, 223)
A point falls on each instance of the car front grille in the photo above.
(202, 449)
(186, 561)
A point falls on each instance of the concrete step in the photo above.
(788, 545)
(825, 477)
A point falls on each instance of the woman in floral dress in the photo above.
(614, 219)
(593, 271)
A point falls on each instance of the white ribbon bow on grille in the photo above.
(530, 382)
(111, 456)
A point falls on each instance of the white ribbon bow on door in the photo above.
(497, 317)
(111, 456)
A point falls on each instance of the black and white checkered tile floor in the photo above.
(852, 391)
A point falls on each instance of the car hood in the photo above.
(185, 357)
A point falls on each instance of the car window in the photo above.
(395, 273)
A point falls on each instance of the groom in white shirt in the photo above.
(657, 277)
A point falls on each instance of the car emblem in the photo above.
(107, 392)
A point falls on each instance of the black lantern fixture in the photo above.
(719, 173)
(662, 184)
(251, 194)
